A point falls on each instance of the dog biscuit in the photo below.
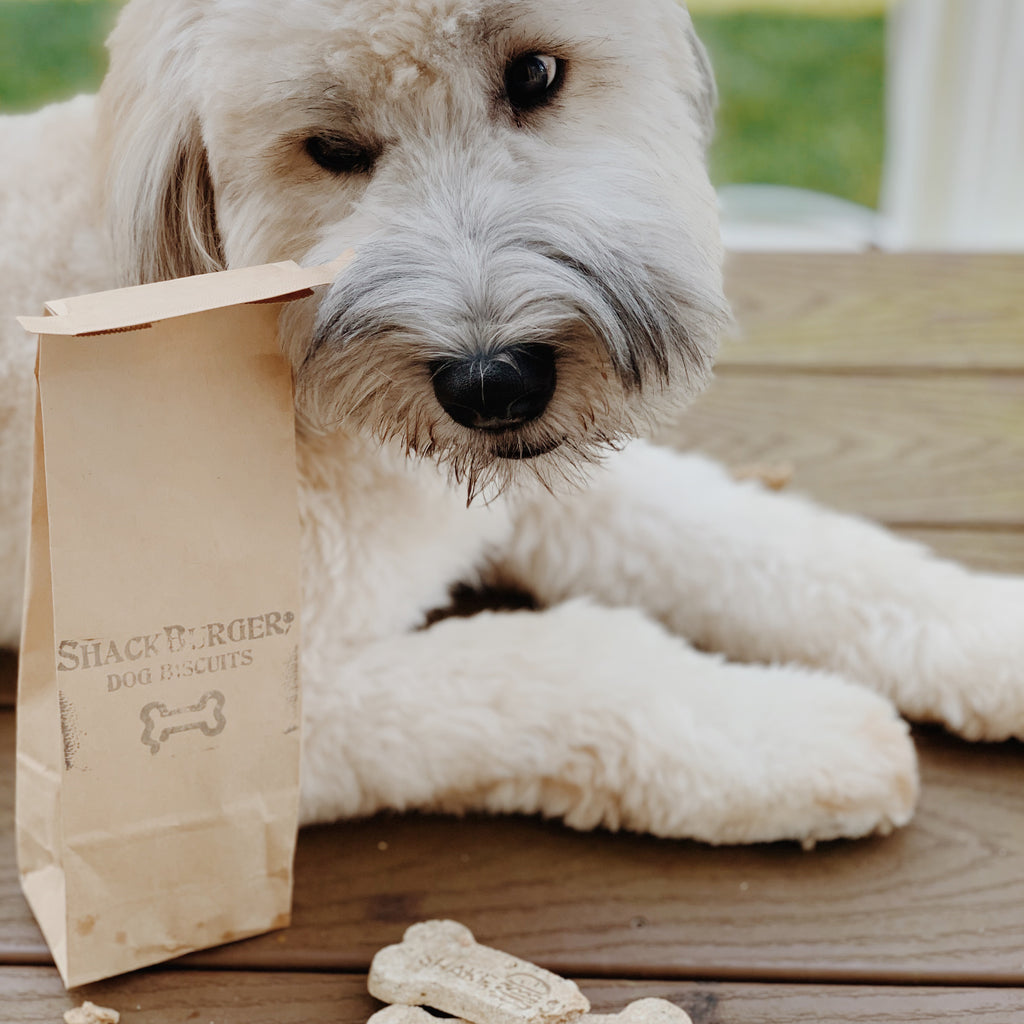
(641, 1011)
(90, 1013)
(440, 964)
(397, 1013)
(776, 476)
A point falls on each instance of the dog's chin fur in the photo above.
(588, 225)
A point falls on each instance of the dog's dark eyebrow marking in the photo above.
(528, 32)
(334, 107)
(336, 97)
(497, 26)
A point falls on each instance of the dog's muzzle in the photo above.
(496, 391)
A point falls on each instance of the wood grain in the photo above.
(990, 550)
(730, 1003)
(167, 996)
(36, 996)
(921, 449)
(876, 310)
(942, 901)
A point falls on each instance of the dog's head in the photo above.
(538, 260)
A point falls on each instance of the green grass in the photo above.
(51, 49)
(801, 97)
(801, 101)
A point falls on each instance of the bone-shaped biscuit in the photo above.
(440, 964)
(400, 1014)
(641, 1011)
(207, 715)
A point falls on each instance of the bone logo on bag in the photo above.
(206, 715)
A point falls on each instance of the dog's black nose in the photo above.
(498, 390)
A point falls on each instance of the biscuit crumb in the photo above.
(90, 1013)
(775, 476)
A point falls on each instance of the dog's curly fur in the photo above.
(587, 224)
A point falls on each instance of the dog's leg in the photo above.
(774, 578)
(601, 717)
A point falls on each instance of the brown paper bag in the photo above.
(158, 701)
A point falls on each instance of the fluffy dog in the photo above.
(537, 280)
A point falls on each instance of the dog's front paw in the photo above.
(972, 671)
(773, 754)
(833, 761)
(863, 776)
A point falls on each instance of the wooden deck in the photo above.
(895, 387)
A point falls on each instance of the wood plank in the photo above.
(941, 901)
(730, 1003)
(29, 994)
(161, 997)
(921, 449)
(989, 550)
(876, 309)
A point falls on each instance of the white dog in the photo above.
(537, 280)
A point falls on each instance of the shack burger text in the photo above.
(129, 654)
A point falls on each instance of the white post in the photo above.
(954, 167)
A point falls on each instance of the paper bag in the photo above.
(158, 700)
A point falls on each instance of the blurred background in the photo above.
(843, 124)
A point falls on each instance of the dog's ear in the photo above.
(707, 93)
(160, 199)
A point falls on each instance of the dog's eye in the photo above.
(340, 156)
(532, 79)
